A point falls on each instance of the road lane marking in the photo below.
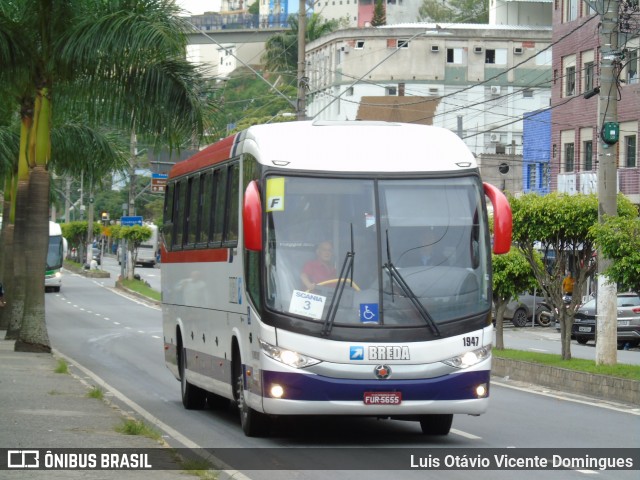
(470, 436)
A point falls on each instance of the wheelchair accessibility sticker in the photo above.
(369, 313)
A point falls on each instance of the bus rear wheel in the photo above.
(439, 424)
(193, 398)
(254, 424)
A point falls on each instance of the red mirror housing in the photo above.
(252, 218)
(502, 219)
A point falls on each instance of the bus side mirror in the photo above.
(502, 219)
(252, 218)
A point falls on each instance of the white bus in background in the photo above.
(389, 334)
(147, 250)
(56, 252)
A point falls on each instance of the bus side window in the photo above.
(192, 214)
(205, 210)
(167, 229)
(232, 212)
(217, 212)
(179, 213)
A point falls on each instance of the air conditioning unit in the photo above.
(494, 137)
(345, 48)
(495, 90)
(477, 49)
(518, 50)
(435, 48)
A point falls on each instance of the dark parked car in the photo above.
(584, 326)
(522, 310)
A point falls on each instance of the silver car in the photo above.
(628, 305)
(527, 307)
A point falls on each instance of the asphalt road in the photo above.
(119, 342)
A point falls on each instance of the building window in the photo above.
(588, 77)
(632, 69)
(570, 81)
(403, 43)
(454, 55)
(359, 44)
(587, 153)
(527, 93)
(532, 181)
(630, 150)
(391, 91)
(570, 10)
(490, 56)
(568, 157)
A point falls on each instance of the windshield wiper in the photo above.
(394, 274)
(347, 269)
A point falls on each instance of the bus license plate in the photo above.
(584, 329)
(382, 398)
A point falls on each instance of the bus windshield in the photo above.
(54, 252)
(371, 252)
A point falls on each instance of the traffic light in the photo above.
(105, 218)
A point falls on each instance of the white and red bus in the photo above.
(403, 329)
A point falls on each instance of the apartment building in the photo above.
(575, 124)
(477, 80)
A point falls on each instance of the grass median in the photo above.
(631, 372)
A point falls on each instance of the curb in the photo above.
(604, 387)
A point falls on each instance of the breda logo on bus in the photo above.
(388, 353)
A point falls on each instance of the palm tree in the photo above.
(281, 50)
(119, 63)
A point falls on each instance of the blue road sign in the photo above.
(162, 176)
(130, 221)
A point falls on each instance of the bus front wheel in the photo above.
(254, 424)
(439, 424)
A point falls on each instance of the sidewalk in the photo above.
(44, 409)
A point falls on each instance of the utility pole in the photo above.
(302, 80)
(132, 173)
(608, 129)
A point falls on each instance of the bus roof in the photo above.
(54, 229)
(341, 147)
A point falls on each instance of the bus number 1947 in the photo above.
(471, 341)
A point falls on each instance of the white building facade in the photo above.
(477, 80)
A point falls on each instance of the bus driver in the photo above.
(321, 268)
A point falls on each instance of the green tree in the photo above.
(247, 99)
(75, 233)
(281, 50)
(118, 63)
(379, 14)
(619, 240)
(512, 275)
(454, 11)
(557, 226)
(134, 236)
(254, 8)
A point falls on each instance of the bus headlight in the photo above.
(58, 275)
(469, 359)
(288, 357)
